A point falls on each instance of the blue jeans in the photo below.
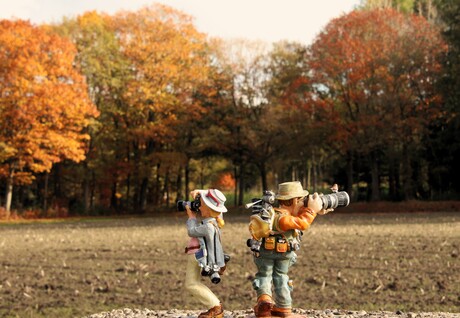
(273, 267)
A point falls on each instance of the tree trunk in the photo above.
(237, 180)
(408, 187)
(349, 173)
(187, 180)
(241, 186)
(308, 175)
(57, 180)
(93, 189)
(395, 180)
(136, 178)
(143, 194)
(293, 173)
(86, 193)
(263, 176)
(113, 196)
(128, 191)
(392, 179)
(179, 184)
(128, 179)
(166, 188)
(9, 192)
(315, 177)
(315, 173)
(375, 185)
(45, 195)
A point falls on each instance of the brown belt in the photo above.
(189, 248)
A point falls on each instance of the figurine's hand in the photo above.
(194, 193)
(190, 213)
(315, 203)
(325, 211)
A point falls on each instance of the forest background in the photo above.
(126, 113)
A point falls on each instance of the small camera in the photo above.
(254, 245)
(194, 205)
(215, 278)
(213, 273)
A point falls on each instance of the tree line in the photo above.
(128, 112)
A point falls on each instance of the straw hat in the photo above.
(214, 199)
(289, 190)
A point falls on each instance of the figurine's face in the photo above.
(204, 209)
(297, 206)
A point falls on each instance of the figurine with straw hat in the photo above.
(276, 252)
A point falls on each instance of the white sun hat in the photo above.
(214, 199)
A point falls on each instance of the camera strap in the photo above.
(216, 235)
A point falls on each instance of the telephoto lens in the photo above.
(335, 200)
(332, 200)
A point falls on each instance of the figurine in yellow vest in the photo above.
(277, 236)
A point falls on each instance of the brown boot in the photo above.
(214, 312)
(264, 307)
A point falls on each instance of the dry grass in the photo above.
(357, 262)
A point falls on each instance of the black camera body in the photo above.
(262, 205)
(194, 205)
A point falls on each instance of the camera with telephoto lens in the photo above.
(194, 205)
(332, 200)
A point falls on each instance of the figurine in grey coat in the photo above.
(206, 255)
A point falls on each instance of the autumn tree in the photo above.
(106, 70)
(250, 126)
(167, 61)
(426, 8)
(374, 74)
(149, 73)
(301, 141)
(44, 103)
(202, 128)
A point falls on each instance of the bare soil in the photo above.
(349, 264)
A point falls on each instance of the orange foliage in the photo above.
(225, 182)
(44, 104)
(168, 61)
(374, 72)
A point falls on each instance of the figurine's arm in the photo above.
(301, 222)
(194, 229)
(305, 215)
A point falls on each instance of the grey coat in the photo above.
(209, 233)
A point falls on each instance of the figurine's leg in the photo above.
(263, 281)
(194, 285)
(281, 283)
(263, 284)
